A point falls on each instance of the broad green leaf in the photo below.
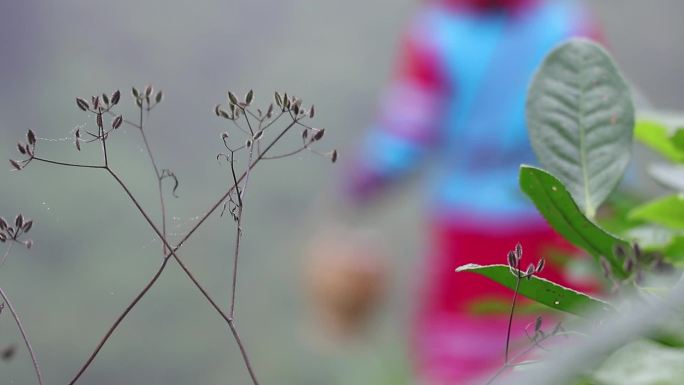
(667, 211)
(557, 206)
(580, 117)
(539, 289)
(657, 136)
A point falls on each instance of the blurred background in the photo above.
(93, 252)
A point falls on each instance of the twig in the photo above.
(6, 254)
(24, 336)
(510, 316)
(172, 253)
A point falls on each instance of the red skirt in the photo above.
(456, 339)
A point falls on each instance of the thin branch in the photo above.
(119, 319)
(24, 335)
(160, 185)
(65, 163)
(173, 251)
(510, 316)
(7, 252)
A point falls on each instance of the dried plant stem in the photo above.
(158, 174)
(7, 253)
(510, 315)
(238, 236)
(66, 164)
(172, 253)
(24, 336)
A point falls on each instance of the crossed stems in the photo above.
(172, 250)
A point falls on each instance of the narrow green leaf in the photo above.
(580, 117)
(540, 290)
(557, 206)
(667, 211)
(657, 137)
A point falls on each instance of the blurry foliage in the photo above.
(581, 124)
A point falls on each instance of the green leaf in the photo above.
(580, 117)
(556, 205)
(656, 136)
(539, 289)
(667, 211)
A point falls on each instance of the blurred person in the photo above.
(458, 99)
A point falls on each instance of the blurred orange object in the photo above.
(345, 278)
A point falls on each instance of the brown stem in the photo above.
(199, 223)
(510, 316)
(7, 252)
(24, 335)
(66, 164)
(160, 186)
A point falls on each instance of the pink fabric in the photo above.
(452, 345)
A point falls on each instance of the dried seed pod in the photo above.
(158, 97)
(512, 260)
(278, 99)
(295, 108)
(116, 123)
(105, 99)
(232, 98)
(20, 147)
(530, 271)
(319, 134)
(136, 93)
(540, 265)
(269, 112)
(116, 95)
(217, 110)
(628, 265)
(619, 251)
(538, 324)
(305, 133)
(312, 112)
(249, 97)
(224, 114)
(3, 237)
(82, 104)
(28, 244)
(8, 353)
(96, 102)
(148, 90)
(138, 102)
(607, 270)
(258, 135)
(99, 120)
(248, 144)
(77, 139)
(31, 137)
(27, 226)
(3, 224)
(518, 251)
(19, 221)
(333, 156)
(15, 164)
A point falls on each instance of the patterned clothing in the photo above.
(459, 98)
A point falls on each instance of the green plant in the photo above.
(581, 122)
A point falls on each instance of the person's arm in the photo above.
(408, 122)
